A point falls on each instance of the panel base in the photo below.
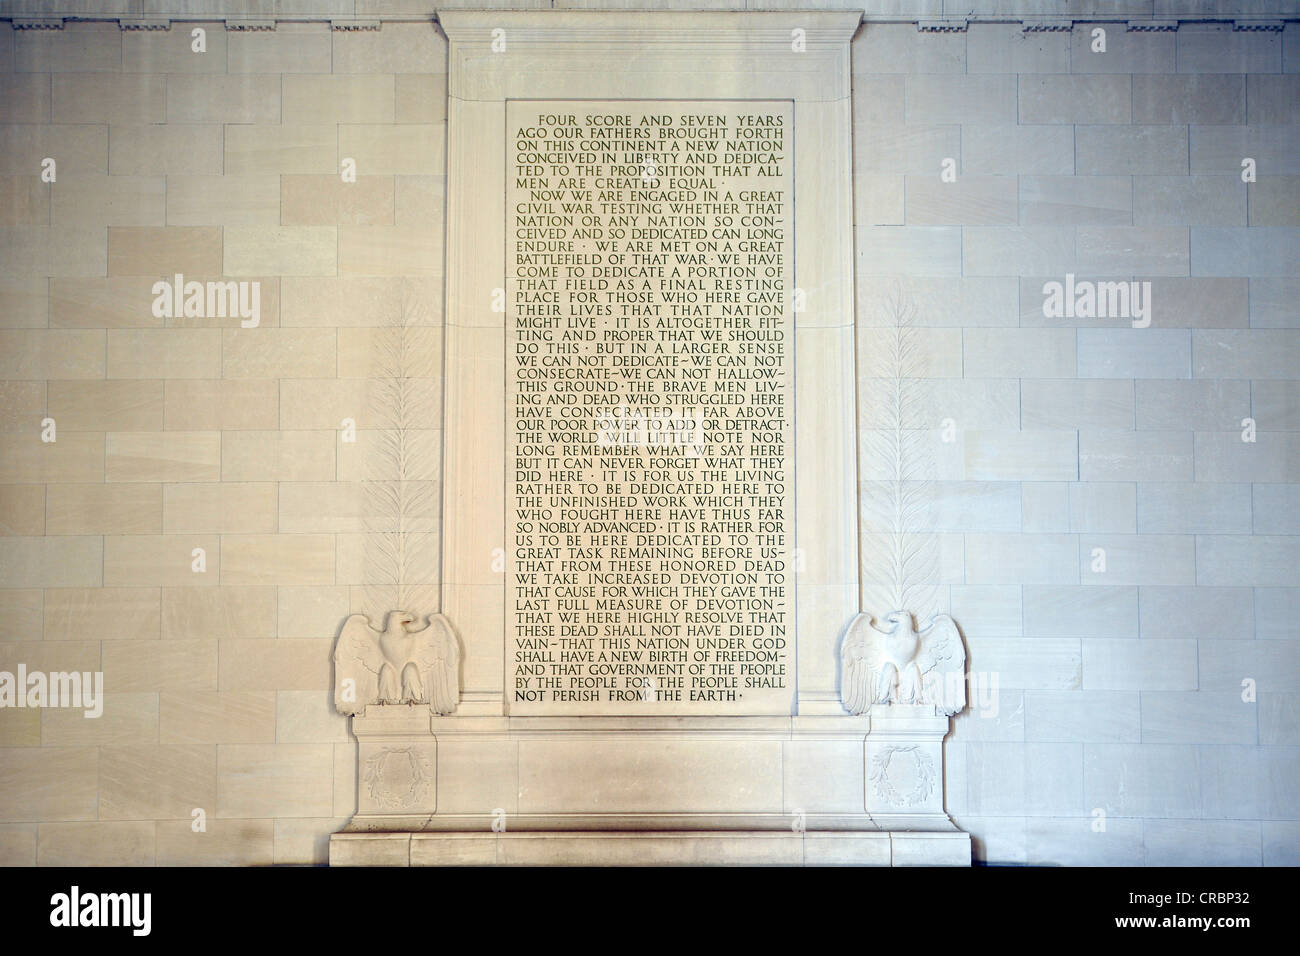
(652, 848)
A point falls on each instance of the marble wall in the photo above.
(1120, 689)
(1118, 733)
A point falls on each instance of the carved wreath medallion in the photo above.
(918, 765)
(398, 778)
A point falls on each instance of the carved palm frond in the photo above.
(400, 487)
(900, 555)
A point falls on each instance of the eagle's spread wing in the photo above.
(942, 661)
(861, 656)
(437, 655)
(357, 658)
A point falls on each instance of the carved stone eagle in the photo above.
(900, 665)
(400, 664)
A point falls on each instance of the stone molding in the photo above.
(942, 26)
(1265, 22)
(536, 64)
(1152, 26)
(1046, 26)
(730, 846)
(250, 26)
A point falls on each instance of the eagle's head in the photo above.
(896, 618)
(400, 619)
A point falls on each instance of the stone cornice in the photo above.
(486, 47)
(249, 26)
(1152, 26)
(642, 28)
(355, 26)
(948, 25)
(1267, 21)
(1047, 26)
(37, 23)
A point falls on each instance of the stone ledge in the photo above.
(651, 822)
(402, 721)
(658, 848)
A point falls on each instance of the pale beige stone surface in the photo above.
(156, 782)
(226, 612)
(121, 405)
(160, 251)
(222, 843)
(26, 201)
(173, 50)
(18, 844)
(139, 666)
(274, 780)
(290, 48)
(164, 150)
(162, 456)
(283, 664)
(127, 720)
(650, 849)
(21, 611)
(1071, 434)
(93, 48)
(96, 844)
(410, 149)
(216, 717)
(76, 456)
(304, 841)
(220, 405)
(278, 353)
(108, 201)
(277, 559)
(251, 200)
(325, 200)
(56, 783)
(48, 354)
(21, 728)
(22, 509)
(25, 301)
(349, 301)
(338, 98)
(104, 509)
(104, 303)
(224, 507)
(63, 561)
(284, 250)
(287, 455)
(285, 148)
(113, 98)
(389, 250)
(237, 98)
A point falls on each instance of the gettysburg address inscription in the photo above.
(649, 353)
